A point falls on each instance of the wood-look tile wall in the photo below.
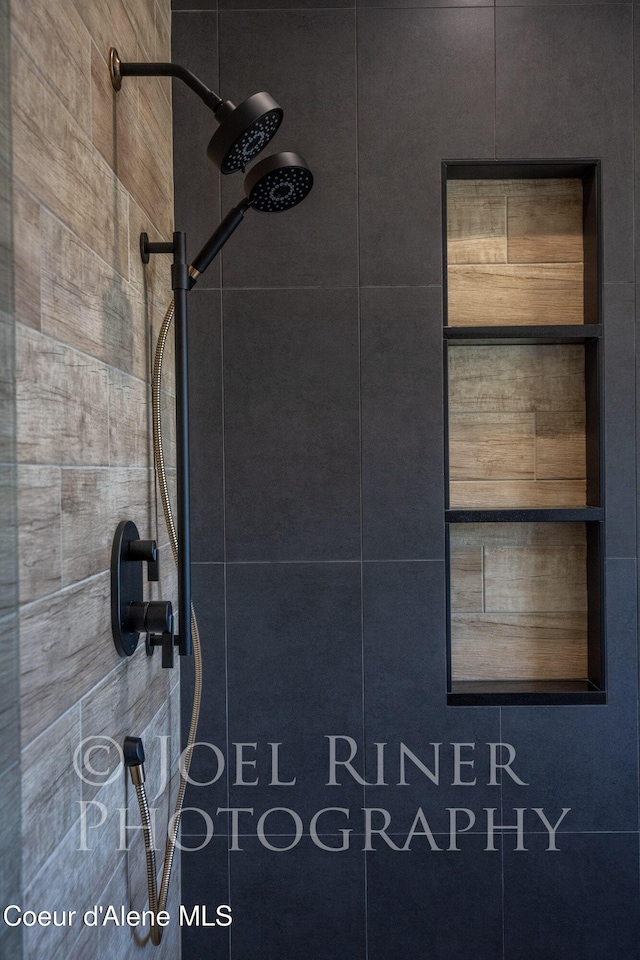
(91, 170)
(514, 252)
(517, 426)
(518, 601)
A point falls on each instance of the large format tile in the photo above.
(424, 903)
(292, 448)
(9, 696)
(51, 790)
(307, 61)
(39, 531)
(425, 93)
(208, 601)
(205, 426)
(11, 874)
(579, 903)
(402, 410)
(564, 89)
(405, 701)
(585, 758)
(55, 160)
(65, 649)
(72, 388)
(93, 502)
(636, 131)
(619, 419)
(55, 38)
(295, 678)
(304, 901)
(205, 882)
(87, 304)
(194, 44)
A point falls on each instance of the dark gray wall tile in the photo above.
(281, 5)
(405, 698)
(402, 423)
(205, 421)
(194, 44)
(425, 903)
(619, 419)
(205, 881)
(304, 902)
(580, 903)
(586, 758)
(564, 90)
(193, 5)
(209, 604)
(306, 60)
(295, 677)
(292, 450)
(423, 3)
(636, 133)
(425, 93)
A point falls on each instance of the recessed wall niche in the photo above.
(523, 431)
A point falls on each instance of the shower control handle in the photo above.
(160, 630)
(131, 614)
(167, 641)
(146, 551)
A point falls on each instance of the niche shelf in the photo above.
(523, 395)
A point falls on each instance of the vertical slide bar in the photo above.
(180, 283)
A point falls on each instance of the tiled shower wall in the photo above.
(317, 468)
(10, 847)
(91, 170)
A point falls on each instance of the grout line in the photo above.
(232, 563)
(329, 288)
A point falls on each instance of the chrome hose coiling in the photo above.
(160, 900)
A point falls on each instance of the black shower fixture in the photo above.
(274, 184)
(278, 183)
(244, 130)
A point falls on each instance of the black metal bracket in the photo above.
(131, 615)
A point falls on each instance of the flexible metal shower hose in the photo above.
(157, 902)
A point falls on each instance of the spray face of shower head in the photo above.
(244, 131)
(278, 183)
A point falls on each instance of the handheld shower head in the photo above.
(278, 183)
(244, 131)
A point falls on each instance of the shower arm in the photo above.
(118, 70)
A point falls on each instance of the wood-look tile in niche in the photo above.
(514, 252)
(517, 426)
(512, 293)
(477, 230)
(519, 601)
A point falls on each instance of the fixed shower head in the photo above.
(278, 183)
(244, 131)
